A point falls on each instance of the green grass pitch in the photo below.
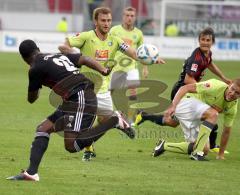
(122, 166)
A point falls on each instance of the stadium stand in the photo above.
(23, 5)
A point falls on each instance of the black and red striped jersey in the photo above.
(195, 65)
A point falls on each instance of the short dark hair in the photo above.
(207, 31)
(27, 48)
(130, 9)
(101, 10)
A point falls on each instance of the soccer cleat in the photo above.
(139, 119)
(159, 149)
(24, 176)
(130, 132)
(216, 150)
(88, 155)
(124, 125)
(199, 156)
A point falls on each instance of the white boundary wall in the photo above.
(48, 42)
(42, 22)
(166, 3)
(179, 48)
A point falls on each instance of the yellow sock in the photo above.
(203, 136)
(181, 147)
(89, 148)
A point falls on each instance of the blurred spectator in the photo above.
(148, 27)
(140, 6)
(92, 5)
(62, 25)
(216, 11)
(172, 30)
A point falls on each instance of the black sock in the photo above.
(213, 137)
(82, 143)
(39, 147)
(190, 148)
(158, 119)
(133, 97)
(87, 137)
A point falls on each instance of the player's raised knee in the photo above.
(69, 147)
(211, 115)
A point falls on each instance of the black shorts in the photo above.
(77, 113)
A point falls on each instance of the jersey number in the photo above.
(64, 61)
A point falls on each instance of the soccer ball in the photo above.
(147, 54)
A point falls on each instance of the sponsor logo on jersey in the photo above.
(207, 85)
(101, 55)
(128, 41)
(194, 67)
(70, 118)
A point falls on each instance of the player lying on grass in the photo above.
(192, 72)
(196, 107)
(77, 112)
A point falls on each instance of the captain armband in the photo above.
(123, 47)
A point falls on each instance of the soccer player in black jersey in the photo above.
(192, 72)
(77, 112)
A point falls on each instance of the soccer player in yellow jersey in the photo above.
(196, 106)
(133, 37)
(192, 72)
(101, 46)
(126, 74)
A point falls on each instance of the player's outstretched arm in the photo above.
(215, 70)
(66, 48)
(223, 143)
(189, 79)
(190, 88)
(131, 52)
(93, 64)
